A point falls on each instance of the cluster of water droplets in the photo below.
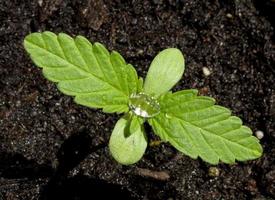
(144, 105)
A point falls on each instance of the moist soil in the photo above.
(52, 148)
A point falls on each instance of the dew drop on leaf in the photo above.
(144, 105)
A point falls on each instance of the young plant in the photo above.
(98, 79)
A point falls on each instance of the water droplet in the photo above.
(144, 105)
(168, 116)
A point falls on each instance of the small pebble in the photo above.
(206, 71)
(140, 52)
(18, 103)
(203, 91)
(228, 15)
(40, 2)
(213, 171)
(252, 186)
(259, 134)
(155, 143)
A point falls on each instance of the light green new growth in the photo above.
(98, 79)
(128, 142)
(197, 127)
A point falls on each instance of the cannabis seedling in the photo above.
(99, 79)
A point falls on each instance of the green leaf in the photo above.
(128, 148)
(135, 123)
(97, 78)
(197, 127)
(165, 71)
(140, 85)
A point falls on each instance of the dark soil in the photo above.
(52, 148)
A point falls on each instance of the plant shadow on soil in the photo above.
(60, 186)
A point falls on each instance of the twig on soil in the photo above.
(158, 175)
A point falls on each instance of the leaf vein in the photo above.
(218, 136)
(105, 75)
(209, 144)
(71, 64)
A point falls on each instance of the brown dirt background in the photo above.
(51, 148)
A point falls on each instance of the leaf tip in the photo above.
(29, 38)
(64, 37)
(258, 150)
